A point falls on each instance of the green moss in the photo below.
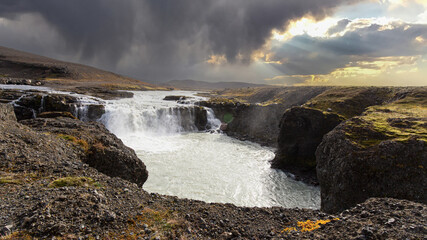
(271, 102)
(121, 86)
(222, 100)
(67, 137)
(22, 235)
(398, 121)
(7, 180)
(80, 142)
(73, 182)
(349, 101)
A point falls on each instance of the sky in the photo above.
(280, 42)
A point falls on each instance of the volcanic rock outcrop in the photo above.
(98, 147)
(382, 153)
(302, 128)
(301, 131)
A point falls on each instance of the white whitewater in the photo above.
(200, 165)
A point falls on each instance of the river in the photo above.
(207, 166)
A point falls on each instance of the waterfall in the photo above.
(147, 114)
(184, 161)
(214, 123)
(41, 103)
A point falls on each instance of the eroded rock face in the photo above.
(200, 118)
(6, 112)
(29, 104)
(95, 112)
(349, 173)
(249, 121)
(61, 103)
(301, 131)
(99, 148)
(382, 153)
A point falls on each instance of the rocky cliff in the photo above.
(248, 121)
(381, 153)
(254, 113)
(301, 131)
(302, 128)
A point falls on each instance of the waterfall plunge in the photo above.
(200, 165)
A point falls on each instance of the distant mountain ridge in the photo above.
(15, 64)
(202, 85)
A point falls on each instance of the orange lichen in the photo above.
(288, 229)
(80, 142)
(308, 225)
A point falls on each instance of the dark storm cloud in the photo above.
(162, 38)
(92, 27)
(305, 55)
(375, 41)
(230, 27)
(95, 27)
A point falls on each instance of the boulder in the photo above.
(24, 112)
(33, 101)
(301, 131)
(61, 103)
(6, 112)
(100, 149)
(382, 153)
(95, 112)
